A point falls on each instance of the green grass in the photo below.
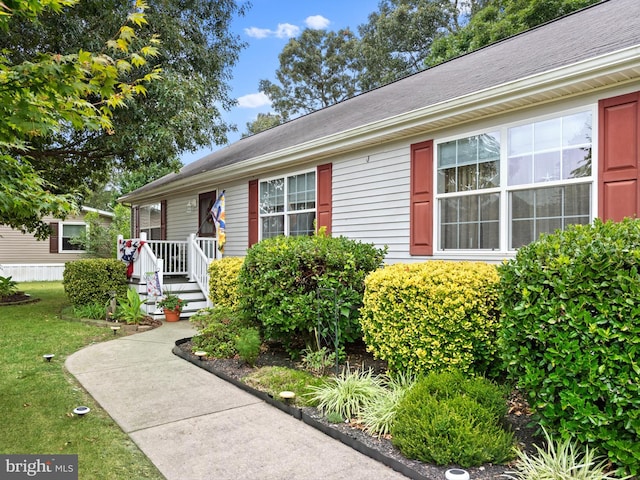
(37, 397)
(274, 380)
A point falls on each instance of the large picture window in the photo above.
(500, 190)
(287, 205)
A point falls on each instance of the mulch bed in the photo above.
(518, 417)
(17, 298)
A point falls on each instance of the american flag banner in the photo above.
(218, 215)
(154, 289)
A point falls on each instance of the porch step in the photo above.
(181, 286)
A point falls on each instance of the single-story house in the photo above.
(25, 258)
(467, 160)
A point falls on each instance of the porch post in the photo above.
(191, 242)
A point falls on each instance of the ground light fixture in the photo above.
(456, 474)
(287, 396)
(81, 411)
(200, 354)
(48, 356)
(115, 329)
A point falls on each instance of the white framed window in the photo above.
(499, 190)
(287, 205)
(151, 220)
(70, 232)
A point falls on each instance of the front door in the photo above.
(205, 202)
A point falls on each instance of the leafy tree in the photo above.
(180, 112)
(397, 38)
(121, 182)
(265, 121)
(317, 69)
(100, 240)
(500, 19)
(44, 94)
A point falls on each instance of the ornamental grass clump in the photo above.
(447, 419)
(560, 460)
(347, 394)
(379, 412)
(433, 316)
(570, 334)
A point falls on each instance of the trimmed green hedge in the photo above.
(433, 316)
(570, 333)
(288, 284)
(91, 281)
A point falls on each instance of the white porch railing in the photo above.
(190, 257)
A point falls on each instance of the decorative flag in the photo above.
(218, 215)
(154, 289)
(129, 252)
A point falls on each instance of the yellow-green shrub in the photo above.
(223, 281)
(432, 316)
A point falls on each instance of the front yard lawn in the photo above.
(38, 397)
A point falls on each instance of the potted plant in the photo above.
(172, 305)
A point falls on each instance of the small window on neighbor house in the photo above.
(151, 221)
(288, 205)
(69, 236)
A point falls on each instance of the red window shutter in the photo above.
(619, 157)
(253, 212)
(53, 239)
(163, 220)
(421, 198)
(324, 185)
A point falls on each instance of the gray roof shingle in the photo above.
(605, 27)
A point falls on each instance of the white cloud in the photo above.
(317, 22)
(256, 32)
(254, 100)
(284, 30)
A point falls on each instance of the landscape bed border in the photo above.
(305, 415)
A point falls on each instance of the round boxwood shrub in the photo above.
(295, 285)
(570, 333)
(93, 281)
(433, 316)
(446, 418)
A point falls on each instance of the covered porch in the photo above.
(178, 266)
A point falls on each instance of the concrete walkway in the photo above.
(193, 425)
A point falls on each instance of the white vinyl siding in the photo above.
(182, 216)
(236, 211)
(371, 199)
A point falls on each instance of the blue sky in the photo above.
(266, 28)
